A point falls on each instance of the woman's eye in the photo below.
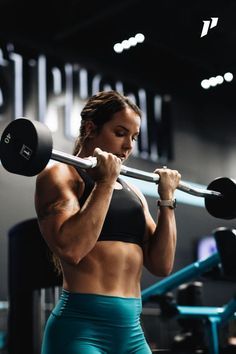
(119, 134)
(122, 134)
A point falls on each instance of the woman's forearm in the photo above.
(162, 244)
(79, 233)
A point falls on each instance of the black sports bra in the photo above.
(125, 220)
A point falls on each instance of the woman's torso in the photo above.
(114, 265)
(111, 268)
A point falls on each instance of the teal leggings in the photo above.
(94, 324)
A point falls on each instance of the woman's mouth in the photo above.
(121, 156)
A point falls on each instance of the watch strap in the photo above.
(170, 203)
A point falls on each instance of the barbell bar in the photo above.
(26, 147)
(128, 171)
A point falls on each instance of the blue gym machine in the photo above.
(225, 259)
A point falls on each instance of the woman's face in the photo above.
(118, 135)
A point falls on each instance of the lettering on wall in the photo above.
(39, 87)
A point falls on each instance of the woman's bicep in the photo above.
(56, 201)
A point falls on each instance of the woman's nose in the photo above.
(128, 143)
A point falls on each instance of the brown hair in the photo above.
(99, 109)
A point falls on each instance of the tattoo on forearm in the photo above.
(57, 208)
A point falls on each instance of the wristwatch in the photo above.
(170, 203)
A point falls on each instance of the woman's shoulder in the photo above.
(59, 171)
(59, 177)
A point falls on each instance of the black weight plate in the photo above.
(222, 207)
(25, 147)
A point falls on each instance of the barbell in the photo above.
(26, 147)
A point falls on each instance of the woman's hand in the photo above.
(169, 181)
(108, 167)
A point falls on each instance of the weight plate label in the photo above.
(26, 152)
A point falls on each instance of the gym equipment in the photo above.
(215, 316)
(26, 148)
(192, 332)
(30, 269)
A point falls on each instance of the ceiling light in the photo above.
(127, 43)
(139, 37)
(213, 81)
(228, 77)
(118, 48)
(219, 79)
(205, 84)
(132, 41)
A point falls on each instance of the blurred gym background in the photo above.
(53, 56)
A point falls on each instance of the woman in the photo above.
(101, 231)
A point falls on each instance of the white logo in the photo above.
(26, 152)
(209, 24)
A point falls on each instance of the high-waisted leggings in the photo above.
(94, 324)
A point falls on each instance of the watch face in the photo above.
(174, 203)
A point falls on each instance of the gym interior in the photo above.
(184, 126)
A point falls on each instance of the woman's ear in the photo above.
(90, 129)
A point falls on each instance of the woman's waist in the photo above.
(113, 257)
(120, 285)
(111, 267)
(116, 310)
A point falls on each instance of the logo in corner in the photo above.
(209, 24)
